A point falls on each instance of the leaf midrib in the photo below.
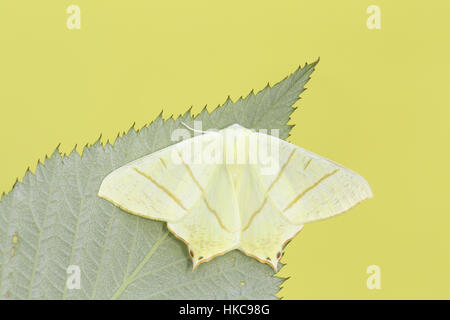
(223, 271)
(6, 238)
(75, 236)
(41, 230)
(131, 278)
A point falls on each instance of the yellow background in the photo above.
(377, 103)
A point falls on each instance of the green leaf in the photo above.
(54, 219)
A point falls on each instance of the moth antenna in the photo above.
(194, 130)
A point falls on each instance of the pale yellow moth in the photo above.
(234, 189)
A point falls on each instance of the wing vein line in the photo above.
(304, 192)
(163, 163)
(281, 171)
(214, 212)
(307, 164)
(254, 214)
(161, 187)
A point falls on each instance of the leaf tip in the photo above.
(98, 141)
(17, 180)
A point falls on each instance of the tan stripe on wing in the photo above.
(161, 187)
(309, 189)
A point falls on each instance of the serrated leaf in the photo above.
(54, 219)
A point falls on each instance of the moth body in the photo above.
(234, 189)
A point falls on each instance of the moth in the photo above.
(234, 188)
